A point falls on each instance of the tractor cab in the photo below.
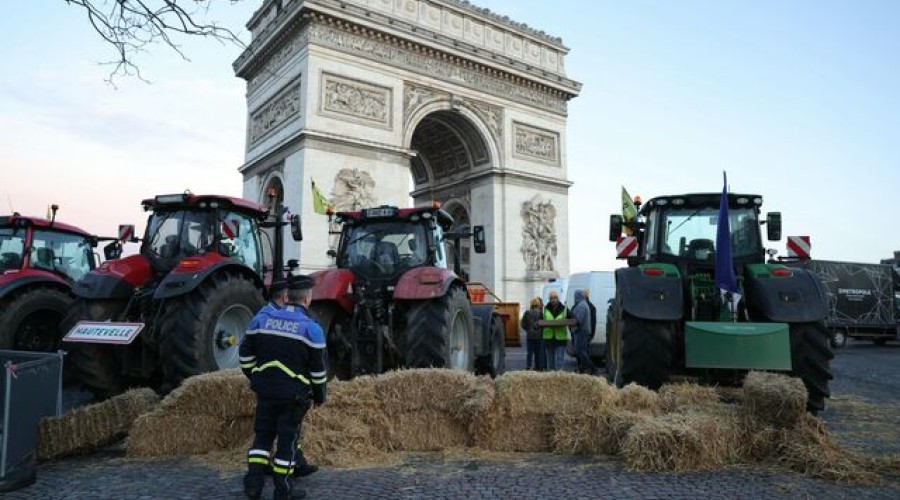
(45, 245)
(681, 230)
(382, 243)
(184, 226)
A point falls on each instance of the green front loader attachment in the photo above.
(749, 346)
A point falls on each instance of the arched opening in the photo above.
(272, 193)
(448, 147)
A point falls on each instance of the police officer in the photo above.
(283, 354)
(278, 300)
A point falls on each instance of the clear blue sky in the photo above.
(798, 100)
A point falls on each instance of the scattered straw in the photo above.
(774, 399)
(89, 428)
(639, 399)
(808, 448)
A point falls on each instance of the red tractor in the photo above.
(40, 259)
(192, 290)
(392, 302)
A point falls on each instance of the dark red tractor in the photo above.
(40, 259)
(189, 294)
(393, 301)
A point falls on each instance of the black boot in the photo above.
(303, 467)
(253, 485)
(295, 493)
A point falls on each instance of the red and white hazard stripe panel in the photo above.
(626, 246)
(798, 246)
(230, 228)
(126, 232)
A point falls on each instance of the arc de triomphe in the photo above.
(409, 101)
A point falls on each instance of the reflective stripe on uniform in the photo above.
(245, 359)
(278, 364)
(292, 336)
(258, 460)
(285, 463)
(281, 470)
(258, 452)
(248, 366)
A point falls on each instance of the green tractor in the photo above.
(671, 314)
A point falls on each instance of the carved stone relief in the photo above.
(539, 235)
(428, 65)
(492, 115)
(416, 96)
(536, 143)
(271, 115)
(348, 97)
(292, 46)
(354, 189)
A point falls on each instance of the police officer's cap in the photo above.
(300, 282)
(279, 286)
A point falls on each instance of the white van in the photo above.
(602, 285)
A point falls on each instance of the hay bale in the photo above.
(161, 434)
(679, 395)
(224, 393)
(435, 389)
(638, 399)
(527, 433)
(551, 393)
(91, 427)
(774, 399)
(332, 437)
(809, 449)
(602, 433)
(427, 430)
(698, 438)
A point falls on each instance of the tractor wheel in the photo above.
(440, 333)
(811, 356)
(612, 340)
(838, 338)
(95, 366)
(332, 319)
(493, 364)
(646, 351)
(202, 331)
(30, 321)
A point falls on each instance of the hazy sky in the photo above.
(798, 100)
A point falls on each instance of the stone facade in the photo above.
(407, 101)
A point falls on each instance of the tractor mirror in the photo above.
(293, 264)
(773, 226)
(112, 251)
(478, 239)
(296, 230)
(615, 227)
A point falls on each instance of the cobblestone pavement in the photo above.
(862, 373)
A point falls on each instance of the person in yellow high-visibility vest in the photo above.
(555, 337)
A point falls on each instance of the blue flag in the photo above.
(725, 278)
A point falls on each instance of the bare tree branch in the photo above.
(130, 26)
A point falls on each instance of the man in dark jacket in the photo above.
(581, 333)
(587, 298)
(283, 354)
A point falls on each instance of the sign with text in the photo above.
(96, 332)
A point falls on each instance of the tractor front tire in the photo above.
(811, 358)
(646, 351)
(95, 366)
(493, 364)
(30, 320)
(441, 333)
(202, 331)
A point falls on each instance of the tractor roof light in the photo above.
(678, 202)
(662, 202)
(426, 215)
(757, 201)
(742, 201)
(165, 199)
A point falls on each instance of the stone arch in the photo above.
(272, 180)
(460, 210)
(450, 140)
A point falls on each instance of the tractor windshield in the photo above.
(179, 233)
(691, 232)
(66, 253)
(384, 248)
(12, 246)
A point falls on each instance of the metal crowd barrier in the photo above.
(30, 389)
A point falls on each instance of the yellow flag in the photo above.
(629, 211)
(320, 203)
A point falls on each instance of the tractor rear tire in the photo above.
(330, 317)
(202, 331)
(440, 333)
(498, 347)
(645, 352)
(811, 358)
(95, 366)
(30, 320)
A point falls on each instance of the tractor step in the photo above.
(749, 346)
